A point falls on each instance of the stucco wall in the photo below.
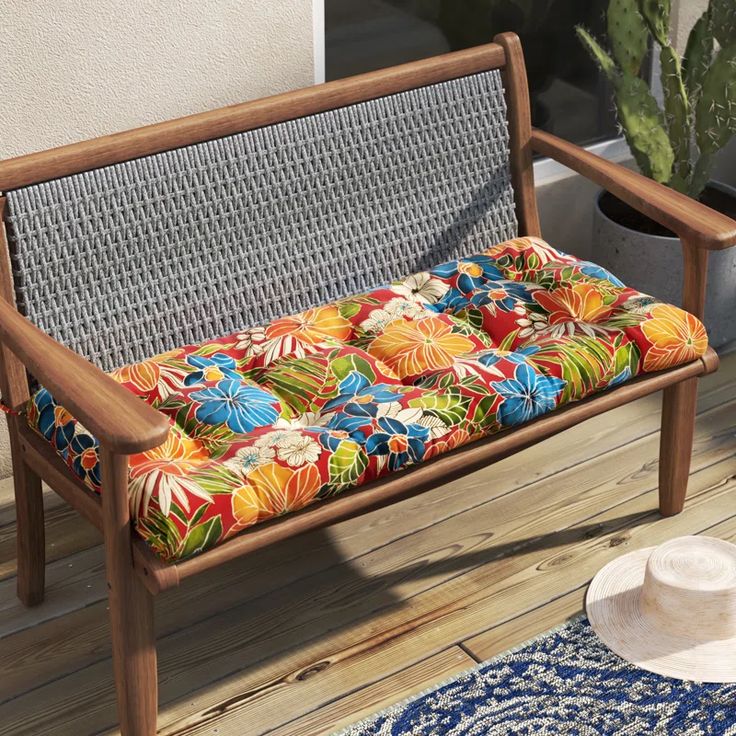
(75, 69)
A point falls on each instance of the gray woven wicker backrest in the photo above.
(126, 261)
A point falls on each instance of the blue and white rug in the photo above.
(564, 682)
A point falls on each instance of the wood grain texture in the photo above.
(678, 423)
(111, 149)
(30, 541)
(520, 629)
(615, 444)
(520, 131)
(30, 534)
(692, 221)
(367, 700)
(131, 609)
(694, 279)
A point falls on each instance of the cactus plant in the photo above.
(674, 144)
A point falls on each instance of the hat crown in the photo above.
(689, 588)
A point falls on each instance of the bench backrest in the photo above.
(122, 261)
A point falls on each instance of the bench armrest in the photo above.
(120, 420)
(692, 221)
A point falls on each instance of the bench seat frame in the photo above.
(126, 425)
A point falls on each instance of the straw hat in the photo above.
(671, 609)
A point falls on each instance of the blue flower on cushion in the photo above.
(54, 422)
(401, 443)
(212, 368)
(354, 419)
(453, 301)
(241, 407)
(491, 357)
(471, 272)
(598, 272)
(527, 395)
(502, 294)
(356, 387)
(84, 453)
(621, 377)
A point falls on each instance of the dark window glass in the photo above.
(569, 95)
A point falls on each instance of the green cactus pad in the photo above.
(723, 14)
(644, 127)
(677, 115)
(627, 33)
(657, 15)
(600, 56)
(698, 56)
(715, 120)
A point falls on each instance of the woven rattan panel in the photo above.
(123, 262)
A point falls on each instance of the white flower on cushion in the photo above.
(421, 287)
(277, 437)
(299, 450)
(378, 319)
(252, 341)
(394, 410)
(308, 419)
(437, 428)
(533, 325)
(248, 458)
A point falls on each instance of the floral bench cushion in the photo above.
(266, 421)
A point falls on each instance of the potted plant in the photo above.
(674, 143)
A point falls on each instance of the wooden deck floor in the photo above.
(312, 635)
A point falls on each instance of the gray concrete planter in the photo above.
(653, 264)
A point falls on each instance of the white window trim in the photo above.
(548, 171)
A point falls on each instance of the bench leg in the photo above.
(133, 654)
(676, 444)
(131, 608)
(30, 533)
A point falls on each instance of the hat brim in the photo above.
(612, 607)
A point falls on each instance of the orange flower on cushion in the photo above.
(676, 336)
(274, 489)
(313, 326)
(166, 470)
(412, 347)
(575, 303)
(143, 376)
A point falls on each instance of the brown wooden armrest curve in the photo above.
(692, 221)
(121, 421)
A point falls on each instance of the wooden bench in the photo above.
(287, 173)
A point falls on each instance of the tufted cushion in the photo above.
(266, 421)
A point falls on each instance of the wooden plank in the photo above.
(520, 629)
(7, 501)
(66, 534)
(373, 645)
(369, 624)
(71, 583)
(372, 698)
